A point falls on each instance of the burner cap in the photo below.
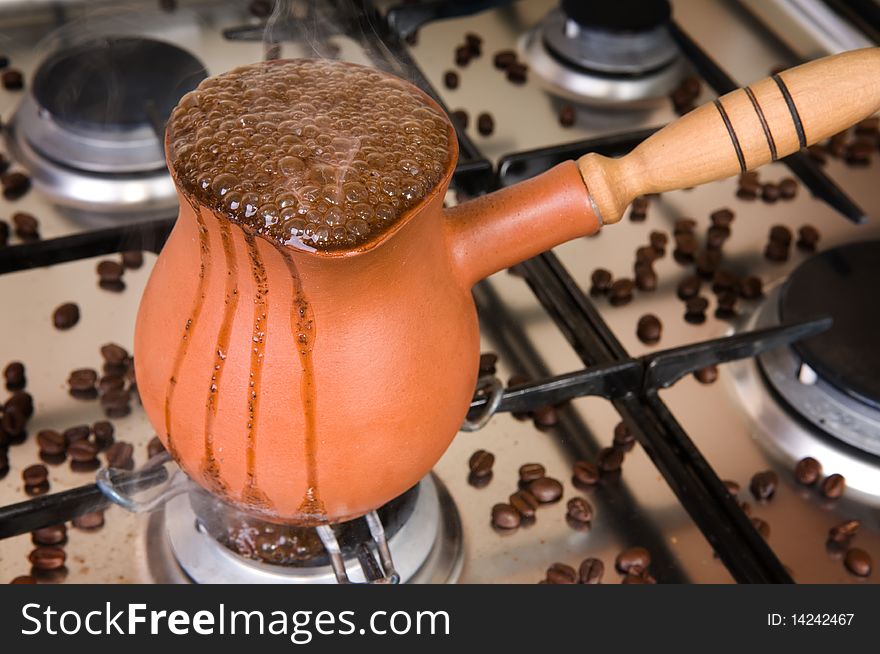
(122, 83)
(841, 283)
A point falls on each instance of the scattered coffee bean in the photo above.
(530, 472)
(155, 447)
(12, 424)
(487, 363)
(82, 451)
(119, 456)
(695, 310)
(47, 557)
(788, 188)
(689, 287)
(89, 521)
(807, 471)
(731, 486)
(591, 571)
(585, 473)
(686, 246)
(763, 485)
(82, 379)
(560, 573)
(51, 442)
(505, 516)
(52, 535)
(762, 527)
(833, 486)
(112, 285)
(475, 43)
(722, 217)
(35, 475)
(751, 288)
(66, 316)
(545, 417)
(658, 241)
(634, 557)
(621, 292)
(684, 226)
(116, 403)
(545, 489)
(450, 79)
(601, 282)
(13, 80)
(110, 270)
(14, 375)
(639, 209)
(462, 56)
(858, 562)
(110, 383)
(706, 263)
(460, 118)
(76, 433)
(503, 59)
(844, 532)
(707, 375)
(132, 259)
(21, 402)
(610, 459)
(726, 309)
(770, 193)
(525, 503)
(649, 329)
(26, 226)
(485, 124)
(716, 237)
(776, 252)
(517, 73)
(479, 482)
(480, 463)
(646, 278)
(15, 185)
(579, 510)
(624, 439)
(23, 579)
(808, 238)
(567, 115)
(780, 234)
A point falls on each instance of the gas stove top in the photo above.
(540, 321)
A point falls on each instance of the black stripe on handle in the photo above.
(792, 109)
(732, 133)
(757, 107)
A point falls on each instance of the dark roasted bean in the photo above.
(110, 383)
(13, 80)
(707, 375)
(26, 226)
(88, 521)
(716, 237)
(845, 531)
(82, 451)
(480, 463)
(722, 217)
(503, 59)
(858, 562)
(103, 432)
(624, 439)
(585, 473)
(684, 226)
(808, 238)
(4, 462)
(658, 241)
(487, 363)
(726, 305)
(600, 281)
(15, 185)
(776, 252)
(530, 472)
(724, 280)
(51, 442)
(112, 285)
(21, 402)
(579, 509)
(567, 115)
(52, 535)
(47, 557)
(788, 188)
(479, 482)
(610, 459)
(646, 278)
(485, 124)
(545, 489)
(649, 329)
(155, 447)
(460, 118)
(82, 379)
(833, 486)
(763, 485)
(591, 571)
(706, 263)
(695, 310)
(770, 193)
(113, 353)
(560, 573)
(77, 433)
(807, 471)
(450, 79)
(751, 288)
(689, 287)
(639, 209)
(14, 376)
(505, 516)
(621, 292)
(462, 56)
(116, 403)
(66, 316)
(517, 73)
(780, 234)
(632, 558)
(119, 455)
(132, 259)
(35, 475)
(23, 579)
(525, 503)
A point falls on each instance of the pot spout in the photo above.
(503, 228)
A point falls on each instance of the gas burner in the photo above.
(196, 540)
(614, 53)
(824, 400)
(91, 129)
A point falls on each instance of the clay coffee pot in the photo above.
(307, 347)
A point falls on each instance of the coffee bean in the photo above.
(479, 482)
(610, 459)
(601, 282)
(503, 59)
(726, 308)
(517, 73)
(788, 188)
(110, 270)
(722, 217)
(35, 475)
(560, 573)
(762, 527)
(505, 516)
(103, 432)
(807, 471)
(52, 535)
(716, 237)
(686, 246)
(585, 473)
(82, 379)
(858, 562)
(649, 329)
(763, 485)
(23, 579)
(833, 486)
(12, 425)
(39, 489)
(110, 383)
(116, 403)
(808, 238)
(89, 521)
(770, 193)
(51, 442)
(658, 241)
(480, 463)
(21, 402)
(545, 489)
(731, 486)
(55, 576)
(636, 579)
(82, 451)
(462, 56)
(621, 292)
(591, 571)
(545, 417)
(639, 209)
(706, 263)
(567, 115)
(47, 557)
(707, 375)
(66, 316)
(15, 185)
(624, 439)
(26, 226)
(132, 259)
(460, 118)
(525, 503)
(487, 363)
(119, 456)
(689, 287)
(751, 288)
(632, 558)
(14, 375)
(845, 531)
(579, 509)
(776, 252)
(155, 447)
(530, 472)
(485, 124)
(76, 433)
(450, 79)
(780, 234)
(646, 278)
(695, 309)
(13, 80)
(112, 285)
(684, 226)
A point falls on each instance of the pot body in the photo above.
(305, 388)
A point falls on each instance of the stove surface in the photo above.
(640, 509)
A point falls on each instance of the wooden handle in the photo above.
(740, 131)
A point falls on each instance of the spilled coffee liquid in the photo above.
(321, 154)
